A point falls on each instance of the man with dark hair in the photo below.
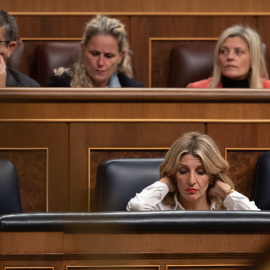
(8, 43)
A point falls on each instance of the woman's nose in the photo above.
(230, 55)
(101, 60)
(192, 179)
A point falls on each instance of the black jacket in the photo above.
(18, 79)
(65, 79)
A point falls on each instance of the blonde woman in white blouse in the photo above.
(193, 176)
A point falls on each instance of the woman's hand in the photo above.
(219, 189)
(169, 182)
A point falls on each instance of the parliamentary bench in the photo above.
(134, 240)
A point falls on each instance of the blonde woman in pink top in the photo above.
(238, 61)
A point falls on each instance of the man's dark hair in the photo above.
(10, 26)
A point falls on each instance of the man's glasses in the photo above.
(4, 41)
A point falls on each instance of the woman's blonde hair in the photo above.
(100, 25)
(199, 145)
(253, 40)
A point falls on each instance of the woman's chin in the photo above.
(233, 76)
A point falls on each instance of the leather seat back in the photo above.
(119, 180)
(261, 182)
(52, 55)
(10, 198)
(19, 59)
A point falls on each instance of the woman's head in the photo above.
(200, 146)
(238, 54)
(105, 50)
(101, 58)
(103, 25)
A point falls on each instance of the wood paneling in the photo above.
(32, 169)
(129, 105)
(82, 128)
(153, 6)
(53, 26)
(130, 251)
(115, 267)
(242, 164)
(173, 27)
(52, 136)
(150, 243)
(84, 136)
(240, 135)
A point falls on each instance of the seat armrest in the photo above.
(164, 222)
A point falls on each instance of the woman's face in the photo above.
(101, 57)
(192, 182)
(234, 58)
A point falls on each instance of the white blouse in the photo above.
(150, 199)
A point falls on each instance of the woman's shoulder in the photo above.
(200, 84)
(266, 83)
(125, 81)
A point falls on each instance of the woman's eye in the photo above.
(223, 51)
(109, 56)
(239, 52)
(200, 172)
(182, 171)
(94, 53)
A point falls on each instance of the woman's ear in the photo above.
(122, 54)
(212, 180)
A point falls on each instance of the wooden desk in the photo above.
(126, 241)
(57, 250)
(57, 137)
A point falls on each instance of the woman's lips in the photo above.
(99, 71)
(191, 190)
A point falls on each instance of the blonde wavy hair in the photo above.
(199, 145)
(253, 40)
(100, 25)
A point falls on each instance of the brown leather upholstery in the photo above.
(19, 59)
(190, 62)
(193, 61)
(51, 55)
